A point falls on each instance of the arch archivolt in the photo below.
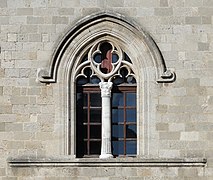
(147, 61)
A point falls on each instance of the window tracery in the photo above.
(105, 65)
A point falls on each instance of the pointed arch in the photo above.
(107, 24)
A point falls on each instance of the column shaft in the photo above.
(106, 151)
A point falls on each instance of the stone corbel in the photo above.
(167, 77)
(43, 76)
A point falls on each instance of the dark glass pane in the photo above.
(114, 58)
(117, 147)
(131, 115)
(105, 47)
(95, 132)
(124, 72)
(82, 80)
(117, 99)
(131, 131)
(131, 80)
(97, 58)
(95, 147)
(85, 148)
(94, 80)
(95, 100)
(85, 103)
(88, 72)
(95, 115)
(85, 115)
(130, 99)
(117, 131)
(117, 115)
(84, 58)
(84, 131)
(118, 80)
(131, 148)
(126, 58)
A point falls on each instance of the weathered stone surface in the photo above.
(178, 116)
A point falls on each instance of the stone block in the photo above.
(47, 29)
(5, 109)
(35, 20)
(189, 100)
(205, 11)
(118, 3)
(3, 3)
(13, 127)
(100, 178)
(66, 11)
(145, 11)
(24, 11)
(169, 135)
(189, 136)
(44, 136)
(181, 29)
(206, 20)
(164, 3)
(4, 20)
(192, 3)
(193, 20)
(203, 46)
(207, 3)
(1, 90)
(169, 153)
(163, 11)
(29, 29)
(206, 81)
(15, 145)
(18, 20)
(27, 136)
(2, 126)
(20, 100)
(176, 127)
(88, 3)
(192, 82)
(2, 172)
(13, 73)
(162, 127)
(33, 145)
(71, 4)
(12, 37)
(34, 37)
(188, 172)
(9, 178)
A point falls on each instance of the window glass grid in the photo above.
(124, 134)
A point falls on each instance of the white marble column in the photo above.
(106, 151)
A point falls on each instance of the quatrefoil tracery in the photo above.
(105, 61)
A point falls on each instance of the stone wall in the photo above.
(30, 118)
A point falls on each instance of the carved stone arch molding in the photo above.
(148, 64)
(103, 24)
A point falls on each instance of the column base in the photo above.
(106, 156)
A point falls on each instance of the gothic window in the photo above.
(106, 103)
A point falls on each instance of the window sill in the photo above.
(117, 162)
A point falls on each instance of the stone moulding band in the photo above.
(49, 74)
(129, 162)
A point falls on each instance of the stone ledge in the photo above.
(118, 162)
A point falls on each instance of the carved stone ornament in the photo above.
(105, 88)
(105, 63)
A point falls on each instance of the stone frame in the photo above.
(149, 65)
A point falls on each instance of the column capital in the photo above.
(105, 88)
